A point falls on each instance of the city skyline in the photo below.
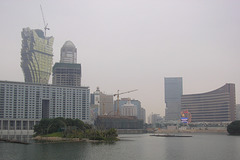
(134, 44)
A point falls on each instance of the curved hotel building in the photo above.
(215, 106)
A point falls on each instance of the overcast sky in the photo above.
(133, 44)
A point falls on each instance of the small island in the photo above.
(71, 130)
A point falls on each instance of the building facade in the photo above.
(173, 93)
(68, 53)
(22, 105)
(141, 114)
(215, 106)
(101, 104)
(129, 109)
(154, 118)
(68, 72)
(238, 112)
(36, 56)
(118, 122)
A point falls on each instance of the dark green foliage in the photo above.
(234, 128)
(107, 135)
(47, 126)
(73, 128)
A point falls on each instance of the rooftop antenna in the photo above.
(45, 25)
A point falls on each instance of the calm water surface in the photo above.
(131, 147)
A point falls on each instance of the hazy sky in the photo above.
(133, 44)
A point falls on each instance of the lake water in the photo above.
(131, 147)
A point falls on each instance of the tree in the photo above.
(234, 128)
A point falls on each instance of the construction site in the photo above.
(117, 120)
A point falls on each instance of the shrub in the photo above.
(234, 128)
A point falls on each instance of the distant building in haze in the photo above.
(173, 93)
(36, 56)
(129, 109)
(68, 71)
(154, 118)
(141, 113)
(68, 53)
(215, 106)
(101, 104)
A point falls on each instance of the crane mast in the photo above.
(45, 25)
(118, 98)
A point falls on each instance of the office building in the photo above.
(214, 106)
(66, 74)
(68, 71)
(101, 104)
(173, 93)
(22, 105)
(36, 56)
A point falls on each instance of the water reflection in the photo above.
(132, 147)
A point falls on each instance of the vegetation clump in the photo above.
(234, 128)
(72, 128)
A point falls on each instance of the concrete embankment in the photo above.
(131, 131)
(196, 130)
(13, 141)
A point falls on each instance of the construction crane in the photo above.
(45, 25)
(118, 98)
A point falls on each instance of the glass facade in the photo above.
(173, 93)
(36, 55)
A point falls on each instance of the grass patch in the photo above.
(55, 134)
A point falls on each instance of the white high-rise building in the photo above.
(68, 53)
(129, 109)
(22, 105)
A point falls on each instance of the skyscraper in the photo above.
(68, 71)
(173, 93)
(68, 53)
(36, 56)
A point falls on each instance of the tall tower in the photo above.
(68, 71)
(68, 53)
(173, 94)
(36, 56)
